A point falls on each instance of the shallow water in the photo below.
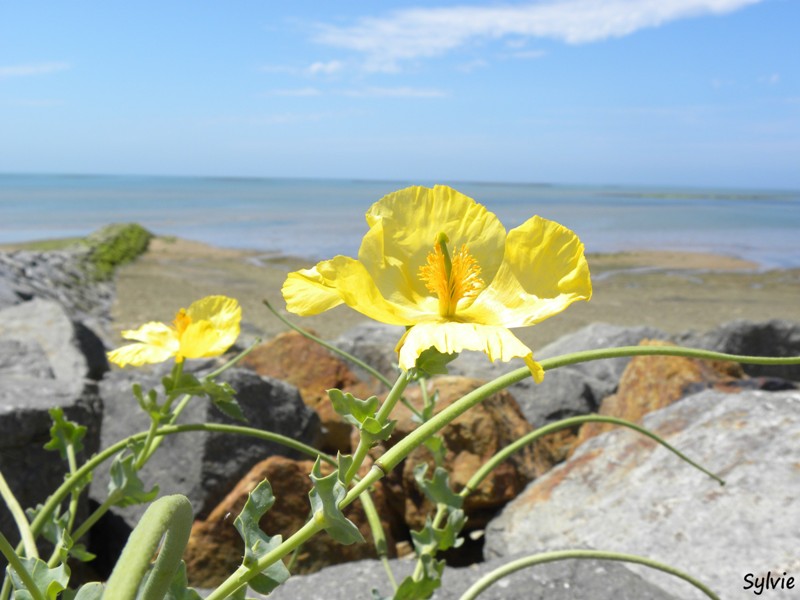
(320, 218)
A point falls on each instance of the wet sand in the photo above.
(673, 291)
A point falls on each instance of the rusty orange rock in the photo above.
(312, 369)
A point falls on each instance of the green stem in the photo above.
(529, 561)
(531, 437)
(243, 574)
(94, 517)
(15, 563)
(339, 352)
(382, 417)
(56, 498)
(170, 515)
(23, 525)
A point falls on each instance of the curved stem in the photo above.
(531, 437)
(21, 520)
(529, 561)
(169, 517)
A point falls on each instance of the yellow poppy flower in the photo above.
(207, 328)
(439, 263)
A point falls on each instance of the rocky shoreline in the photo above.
(739, 421)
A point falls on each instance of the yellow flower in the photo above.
(439, 263)
(208, 328)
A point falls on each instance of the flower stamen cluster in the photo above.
(451, 279)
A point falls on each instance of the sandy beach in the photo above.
(673, 291)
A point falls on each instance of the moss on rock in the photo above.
(115, 245)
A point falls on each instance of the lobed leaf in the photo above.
(325, 496)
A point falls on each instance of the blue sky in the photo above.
(663, 92)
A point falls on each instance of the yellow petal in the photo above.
(498, 343)
(306, 293)
(153, 333)
(543, 272)
(140, 354)
(405, 226)
(213, 327)
(311, 292)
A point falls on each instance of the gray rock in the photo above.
(764, 338)
(203, 465)
(565, 580)
(8, 297)
(73, 352)
(595, 337)
(32, 472)
(623, 494)
(373, 343)
(24, 358)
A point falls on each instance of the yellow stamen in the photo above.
(450, 278)
(181, 322)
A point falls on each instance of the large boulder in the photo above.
(204, 466)
(470, 440)
(73, 352)
(621, 492)
(313, 369)
(565, 580)
(215, 548)
(764, 338)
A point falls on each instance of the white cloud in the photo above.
(427, 32)
(395, 92)
(325, 68)
(299, 92)
(33, 69)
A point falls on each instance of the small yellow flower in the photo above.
(442, 265)
(208, 328)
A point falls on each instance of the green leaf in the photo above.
(430, 539)
(179, 586)
(353, 410)
(64, 433)
(125, 483)
(435, 444)
(433, 362)
(88, 591)
(50, 582)
(325, 497)
(424, 588)
(222, 396)
(372, 430)
(256, 542)
(185, 383)
(54, 527)
(437, 489)
(148, 403)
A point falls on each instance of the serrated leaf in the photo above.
(222, 397)
(373, 431)
(54, 527)
(325, 497)
(185, 383)
(124, 482)
(432, 362)
(64, 433)
(435, 445)
(437, 489)
(256, 542)
(430, 539)
(353, 410)
(50, 582)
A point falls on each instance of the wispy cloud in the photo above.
(771, 79)
(427, 32)
(33, 69)
(299, 92)
(325, 68)
(394, 92)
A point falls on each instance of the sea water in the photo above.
(316, 218)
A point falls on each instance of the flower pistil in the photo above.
(451, 278)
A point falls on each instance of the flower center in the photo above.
(181, 322)
(450, 278)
